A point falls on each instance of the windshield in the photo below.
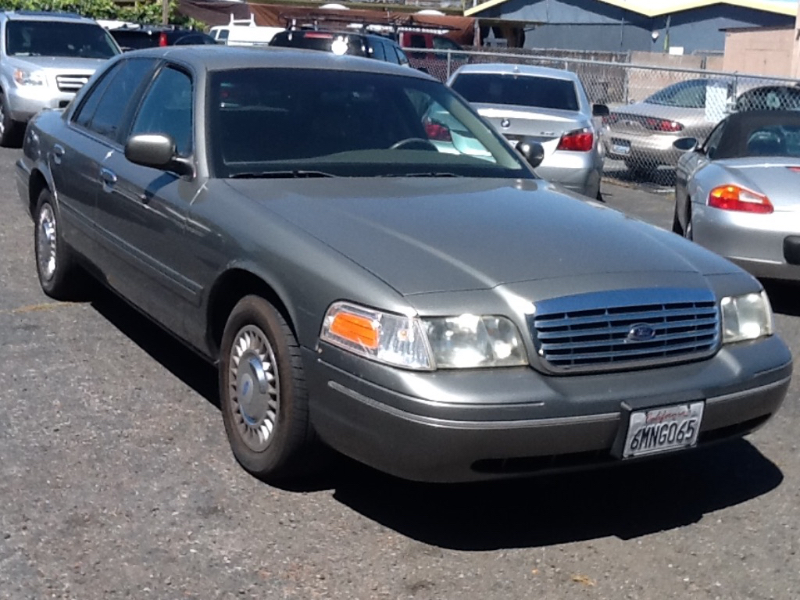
(686, 94)
(778, 140)
(292, 122)
(517, 90)
(58, 38)
(338, 43)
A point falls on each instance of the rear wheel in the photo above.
(263, 393)
(59, 275)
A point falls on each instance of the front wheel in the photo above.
(263, 393)
(10, 130)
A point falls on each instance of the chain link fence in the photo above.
(650, 106)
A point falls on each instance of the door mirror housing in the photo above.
(600, 110)
(157, 151)
(687, 144)
(532, 151)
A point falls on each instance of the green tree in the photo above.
(143, 11)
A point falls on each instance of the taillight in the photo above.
(610, 119)
(162, 39)
(662, 125)
(794, 169)
(434, 131)
(581, 140)
(733, 197)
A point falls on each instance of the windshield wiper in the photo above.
(294, 174)
(425, 174)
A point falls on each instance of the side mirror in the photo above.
(686, 144)
(532, 151)
(157, 151)
(600, 110)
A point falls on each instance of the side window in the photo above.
(378, 50)
(167, 109)
(90, 101)
(401, 56)
(712, 141)
(110, 114)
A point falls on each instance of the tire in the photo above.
(263, 395)
(58, 272)
(10, 130)
(676, 223)
(688, 231)
(636, 169)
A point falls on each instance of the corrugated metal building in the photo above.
(690, 26)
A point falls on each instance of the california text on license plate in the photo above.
(662, 429)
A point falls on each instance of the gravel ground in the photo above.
(116, 481)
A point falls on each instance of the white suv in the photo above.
(44, 59)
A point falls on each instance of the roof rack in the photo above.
(46, 13)
(331, 20)
(250, 22)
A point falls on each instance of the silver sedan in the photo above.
(548, 105)
(738, 193)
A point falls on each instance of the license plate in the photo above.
(662, 429)
(621, 148)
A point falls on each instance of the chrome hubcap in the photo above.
(46, 243)
(254, 387)
(2, 120)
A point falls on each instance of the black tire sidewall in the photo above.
(291, 421)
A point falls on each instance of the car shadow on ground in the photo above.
(625, 501)
(657, 179)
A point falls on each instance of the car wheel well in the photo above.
(231, 287)
(35, 187)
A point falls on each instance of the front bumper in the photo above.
(25, 102)
(464, 426)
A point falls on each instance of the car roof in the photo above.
(512, 69)
(740, 126)
(219, 57)
(24, 15)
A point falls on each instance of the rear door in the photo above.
(77, 157)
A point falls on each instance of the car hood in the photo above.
(423, 235)
(60, 63)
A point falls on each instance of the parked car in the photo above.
(352, 43)
(547, 105)
(427, 45)
(642, 134)
(769, 97)
(438, 315)
(149, 36)
(737, 192)
(44, 59)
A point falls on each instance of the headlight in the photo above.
(23, 77)
(470, 341)
(465, 341)
(746, 317)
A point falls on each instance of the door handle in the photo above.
(108, 178)
(58, 153)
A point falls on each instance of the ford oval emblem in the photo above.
(505, 123)
(641, 332)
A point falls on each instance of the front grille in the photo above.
(625, 329)
(71, 83)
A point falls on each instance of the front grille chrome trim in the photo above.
(593, 332)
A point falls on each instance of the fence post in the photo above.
(449, 63)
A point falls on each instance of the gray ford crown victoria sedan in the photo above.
(365, 279)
